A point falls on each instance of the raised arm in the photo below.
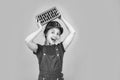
(29, 39)
(69, 38)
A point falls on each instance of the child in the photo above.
(50, 55)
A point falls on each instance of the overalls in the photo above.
(51, 65)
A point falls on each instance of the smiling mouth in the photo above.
(54, 40)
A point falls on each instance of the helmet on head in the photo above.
(53, 24)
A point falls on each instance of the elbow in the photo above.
(73, 32)
(26, 41)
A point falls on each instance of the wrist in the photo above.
(62, 18)
(39, 29)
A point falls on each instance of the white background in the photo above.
(93, 55)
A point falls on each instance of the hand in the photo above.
(39, 25)
(59, 17)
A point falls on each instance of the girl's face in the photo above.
(53, 35)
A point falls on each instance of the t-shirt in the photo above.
(50, 50)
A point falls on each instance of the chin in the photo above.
(53, 43)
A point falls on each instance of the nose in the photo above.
(55, 37)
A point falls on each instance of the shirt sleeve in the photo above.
(38, 49)
(62, 47)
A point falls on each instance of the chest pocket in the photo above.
(51, 63)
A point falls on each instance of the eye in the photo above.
(58, 33)
(52, 32)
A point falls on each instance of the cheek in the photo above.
(58, 37)
(49, 37)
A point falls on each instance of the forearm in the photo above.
(68, 26)
(33, 35)
(69, 37)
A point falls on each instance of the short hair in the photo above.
(53, 24)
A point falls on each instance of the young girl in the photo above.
(50, 55)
